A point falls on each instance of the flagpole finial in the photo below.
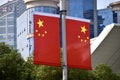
(62, 5)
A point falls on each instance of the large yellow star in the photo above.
(83, 29)
(40, 23)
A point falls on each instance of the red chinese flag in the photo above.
(78, 44)
(46, 40)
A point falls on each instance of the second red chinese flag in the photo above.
(46, 40)
(78, 44)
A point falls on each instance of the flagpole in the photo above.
(63, 24)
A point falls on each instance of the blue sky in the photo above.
(100, 3)
(3, 1)
(104, 3)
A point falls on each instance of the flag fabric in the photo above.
(46, 40)
(78, 44)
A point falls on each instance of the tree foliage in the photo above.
(104, 72)
(41, 72)
(11, 63)
(4, 49)
(13, 67)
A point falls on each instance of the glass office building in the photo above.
(105, 17)
(82, 9)
(109, 15)
(7, 29)
(8, 14)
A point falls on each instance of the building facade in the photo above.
(22, 41)
(25, 41)
(115, 6)
(8, 15)
(83, 9)
(105, 17)
(109, 15)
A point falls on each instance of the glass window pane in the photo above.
(10, 37)
(2, 38)
(38, 9)
(2, 22)
(10, 21)
(46, 9)
(2, 30)
(11, 15)
(10, 30)
(53, 10)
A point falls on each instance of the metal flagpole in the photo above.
(63, 24)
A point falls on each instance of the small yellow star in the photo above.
(45, 32)
(36, 30)
(87, 37)
(85, 40)
(81, 40)
(78, 36)
(43, 35)
(83, 29)
(40, 23)
(39, 34)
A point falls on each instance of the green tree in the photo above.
(11, 63)
(46, 73)
(4, 49)
(79, 74)
(27, 70)
(40, 72)
(104, 72)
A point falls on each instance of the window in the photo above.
(2, 22)
(27, 45)
(53, 10)
(20, 33)
(22, 49)
(10, 30)
(46, 9)
(24, 29)
(39, 9)
(2, 30)
(2, 38)
(10, 37)
(10, 21)
(10, 15)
